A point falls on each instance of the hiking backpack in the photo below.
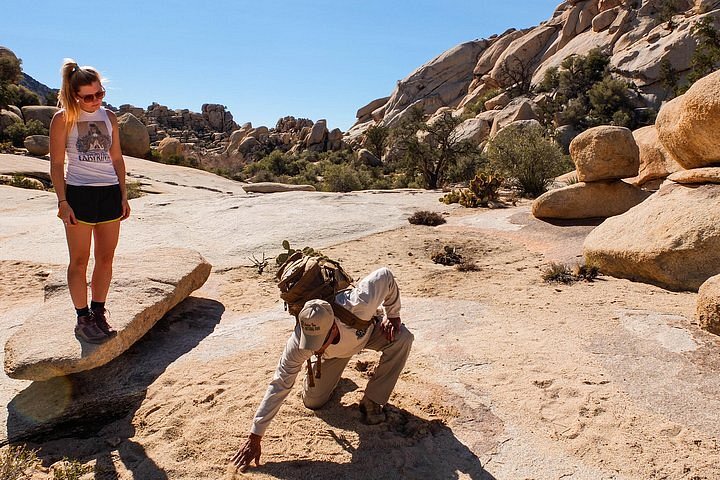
(302, 278)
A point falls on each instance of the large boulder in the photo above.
(366, 157)
(441, 82)
(38, 144)
(145, 286)
(318, 133)
(518, 109)
(672, 239)
(40, 113)
(588, 200)
(688, 124)
(655, 162)
(134, 137)
(8, 118)
(364, 113)
(169, 147)
(473, 130)
(605, 153)
(707, 312)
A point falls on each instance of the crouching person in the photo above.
(333, 342)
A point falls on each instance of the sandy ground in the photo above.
(510, 377)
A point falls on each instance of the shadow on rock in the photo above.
(80, 405)
(405, 446)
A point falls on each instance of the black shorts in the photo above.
(93, 205)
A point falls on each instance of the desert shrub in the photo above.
(528, 156)
(424, 217)
(7, 147)
(70, 470)
(448, 256)
(341, 178)
(19, 181)
(133, 190)
(17, 462)
(572, 180)
(17, 132)
(561, 273)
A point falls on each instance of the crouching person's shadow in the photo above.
(405, 446)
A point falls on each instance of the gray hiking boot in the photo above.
(100, 315)
(87, 331)
(372, 411)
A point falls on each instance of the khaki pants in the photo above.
(380, 386)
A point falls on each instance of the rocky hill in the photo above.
(643, 39)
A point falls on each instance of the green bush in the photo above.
(17, 132)
(583, 93)
(344, 178)
(524, 154)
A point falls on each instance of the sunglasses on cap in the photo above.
(93, 96)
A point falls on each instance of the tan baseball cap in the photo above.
(316, 319)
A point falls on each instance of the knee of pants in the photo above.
(313, 403)
(406, 339)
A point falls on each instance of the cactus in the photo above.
(309, 251)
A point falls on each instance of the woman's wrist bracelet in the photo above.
(60, 201)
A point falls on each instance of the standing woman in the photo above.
(92, 199)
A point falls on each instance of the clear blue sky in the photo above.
(263, 60)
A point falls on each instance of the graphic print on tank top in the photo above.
(93, 143)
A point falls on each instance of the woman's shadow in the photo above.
(405, 446)
(46, 414)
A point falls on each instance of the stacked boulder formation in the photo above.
(673, 239)
(603, 156)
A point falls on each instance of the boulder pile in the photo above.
(673, 239)
(603, 156)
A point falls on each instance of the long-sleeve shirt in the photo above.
(377, 289)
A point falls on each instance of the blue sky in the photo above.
(263, 60)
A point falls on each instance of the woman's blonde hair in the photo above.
(74, 77)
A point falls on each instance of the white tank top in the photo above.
(88, 151)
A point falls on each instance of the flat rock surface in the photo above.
(145, 286)
(196, 209)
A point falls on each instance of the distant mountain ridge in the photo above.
(37, 87)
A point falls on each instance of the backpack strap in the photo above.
(349, 318)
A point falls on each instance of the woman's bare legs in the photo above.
(106, 239)
(78, 239)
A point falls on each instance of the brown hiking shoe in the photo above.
(100, 316)
(373, 412)
(87, 331)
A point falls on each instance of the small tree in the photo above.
(516, 75)
(376, 139)
(526, 155)
(432, 149)
(10, 75)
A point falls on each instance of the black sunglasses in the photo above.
(93, 96)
